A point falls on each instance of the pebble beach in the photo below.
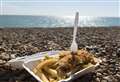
(103, 42)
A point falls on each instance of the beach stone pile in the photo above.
(103, 42)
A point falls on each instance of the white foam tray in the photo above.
(31, 63)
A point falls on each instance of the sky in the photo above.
(110, 8)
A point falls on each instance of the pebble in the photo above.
(111, 61)
(104, 60)
(4, 56)
(97, 79)
(103, 81)
(2, 49)
(99, 70)
(118, 76)
(118, 52)
(111, 69)
(109, 72)
(2, 62)
(13, 56)
(109, 78)
(105, 45)
(114, 55)
(99, 74)
(105, 74)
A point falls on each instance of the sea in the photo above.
(27, 21)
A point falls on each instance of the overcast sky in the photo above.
(60, 7)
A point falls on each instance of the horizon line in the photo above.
(60, 1)
(70, 16)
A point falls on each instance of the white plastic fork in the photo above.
(74, 46)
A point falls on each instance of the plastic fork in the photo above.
(74, 46)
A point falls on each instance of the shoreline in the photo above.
(27, 27)
(103, 42)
